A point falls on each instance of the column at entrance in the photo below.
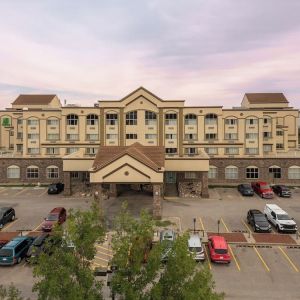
(157, 198)
(204, 185)
(113, 191)
(67, 183)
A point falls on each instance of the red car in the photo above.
(218, 249)
(57, 215)
(262, 189)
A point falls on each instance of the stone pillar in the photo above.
(157, 197)
(113, 191)
(204, 185)
(67, 182)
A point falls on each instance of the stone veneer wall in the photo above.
(23, 163)
(262, 164)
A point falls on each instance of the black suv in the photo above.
(55, 188)
(7, 214)
(258, 221)
(245, 189)
(38, 246)
(281, 190)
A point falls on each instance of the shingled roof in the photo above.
(33, 99)
(151, 156)
(263, 98)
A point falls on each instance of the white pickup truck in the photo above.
(280, 219)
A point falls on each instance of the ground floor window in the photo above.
(13, 172)
(52, 172)
(252, 172)
(32, 172)
(231, 172)
(213, 172)
(190, 175)
(294, 172)
(74, 175)
(275, 171)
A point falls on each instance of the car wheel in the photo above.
(13, 217)
(19, 259)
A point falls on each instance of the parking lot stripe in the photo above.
(245, 224)
(288, 259)
(36, 228)
(208, 260)
(234, 258)
(99, 265)
(104, 248)
(3, 190)
(107, 254)
(20, 192)
(261, 259)
(43, 193)
(224, 225)
(201, 223)
(100, 258)
(179, 223)
(10, 224)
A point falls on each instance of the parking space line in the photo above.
(99, 265)
(43, 193)
(100, 258)
(288, 259)
(201, 223)
(261, 259)
(107, 254)
(245, 224)
(104, 248)
(226, 228)
(234, 258)
(3, 190)
(20, 192)
(35, 229)
(208, 260)
(179, 221)
(7, 226)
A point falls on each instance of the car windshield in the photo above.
(195, 249)
(221, 251)
(52, 186)
(6, 252)
(39, 241)
(265, 186)
(284, 188)
(52, 217)
(259, 218)
(1, 215)
(283, 217)
(247, 186)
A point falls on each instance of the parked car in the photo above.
(258, 221)
(14, 251)
(245, 189)
(55, 188)
(280, 219)
(218, 249)
(7, 214)
(38, 246)
(167, 238)
(281, 190)
(195, 247)
(57, 215)
(262, 189)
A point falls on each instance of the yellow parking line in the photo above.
(288, 259)
(43, 193)
(234, 258)
(35, 229)
(98, 246)
(261, 259)
(224, 225)
(99, 265)
(99, 252)
(3, 190)
(208, 258)
(245, 224)
(20, 192)
(100, 258)
(7, 226)
(201, 223)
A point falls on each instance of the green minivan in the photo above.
(15, 250)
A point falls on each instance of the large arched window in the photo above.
(52, 172)
(212, 172)
(231, 172)
(294, 172)
(275, 171)
(211, 119)
(72, 119)
(252, 172)
(190, 119)
(13, 172)
(150, 118)
(92, 120)
(32, 172)
(131, 118)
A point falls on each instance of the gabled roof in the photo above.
(262, 98)
(33, 99)
(151, 156)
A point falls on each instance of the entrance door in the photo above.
(170, 177)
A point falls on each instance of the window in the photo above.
(53, 136)
(212, 172)
(72, 137)
(33, 136)
(190, 119)
(251, 151)
(252, 172)
(252, 136)
(171, 119)
(111, 119)
(13, 172)
(150, 118)
(74, 175)
(19, 148)
(112, 136)
(52, 172)
(190, 151)
(267, 148)
(171, 150)
(231, 121)
(131, 118)
(53, 122)
(32, 172)
(150, 136)
(294, 172)
(171, 136)
(251, 121)
(275, 171)
(92, 137)
(231, 150)
(92, 120)
(33, 150)
(211, 150)
(231, 172)
(190, 175)
(279, 146)
(91, 150)
(20, 135)
(267, 135)
(267, 121)
(52, 151)
(190, 136)
(279, 132)
(131, 136)
(210, 136)
(231, 136)
(72, 119)
(32, 122)
(20, 122)
(211, 119)
(71, 150)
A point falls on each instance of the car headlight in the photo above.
(256, 226)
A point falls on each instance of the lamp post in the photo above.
(194, 220)
(218, 226)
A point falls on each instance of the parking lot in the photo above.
(260, 271)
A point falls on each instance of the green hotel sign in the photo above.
(5, 121)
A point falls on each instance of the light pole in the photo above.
(194, 220)
(218, 226)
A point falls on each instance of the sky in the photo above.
(207, 52)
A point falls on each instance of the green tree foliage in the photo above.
(10, 293)
(66, 273)
(140, 274)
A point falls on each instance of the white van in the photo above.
(195, 247)
(280, 219)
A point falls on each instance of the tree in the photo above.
(10, 293)
(140, 273)
(66, 273)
